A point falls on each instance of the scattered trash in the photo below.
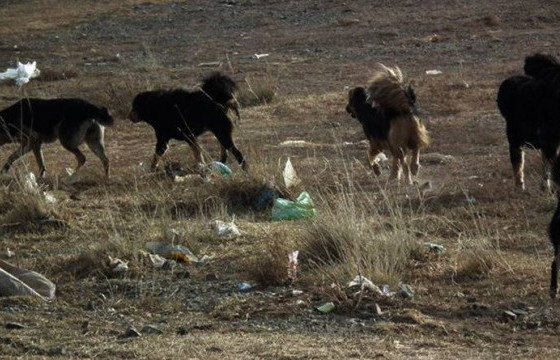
(49, 197)
(292, 264)
(405, 291)
(178, 253)
(14, 326)
(118, 266)
(284, 209)
(155, 260)
(296, 293)
(386, 290)
(438, 249)
(265, 199)
(30, 183)
(300, 303)
(296, 143)
(436, 158)
(22, 74)
(509, 315)
(326, 307)
(221, 168)
(15, 281)
(259, 56)
(9, 253)
(223, 228)
(210, 64)
(365, 283)
(151, 329)
(131, 332)
(434, 72)
(244, 287)
(381, 157)
(290, 177)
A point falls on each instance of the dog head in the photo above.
(222, 89)
(356, 96)
(104, 117)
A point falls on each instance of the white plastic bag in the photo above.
(22, 74)
(15, 281)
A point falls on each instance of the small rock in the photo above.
(509, 315)
(14, 325)
(182, 331)
(131, 332)
(150, 329)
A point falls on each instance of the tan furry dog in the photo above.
(386, 112)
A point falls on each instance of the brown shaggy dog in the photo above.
(386, 112)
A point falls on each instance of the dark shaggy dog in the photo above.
(184, 115)
(386, 111)
(554, 230)
(530, 105)
(32, 122)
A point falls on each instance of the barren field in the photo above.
(485, 296)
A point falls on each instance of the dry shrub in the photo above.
(259, 91)
(269, 267)
(347, 239)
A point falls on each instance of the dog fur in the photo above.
(531, 108)
(32, 122)
(184, 115)
(386, 111)
(222, 89)
(554, 229)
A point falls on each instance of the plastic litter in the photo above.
(221, 168)
(223, 228)
(381, 157)
(259, 56)
(30, 183)
(284, 209)
(118, 266)
(293, 264)
(438, 249)
(178, 253)
(244, 287)
(265, 199)
(49, 197)
(15, 281)
(434, 72)
(326, 307)
(364, 283)
(9, 253)
(22, 74)
(290, 177)
(210, 64)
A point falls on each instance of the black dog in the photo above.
(531, 107)
(32, 122)
(184, 115)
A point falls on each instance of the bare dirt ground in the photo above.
(106, 51)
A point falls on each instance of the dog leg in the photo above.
(415, 162)
(24, 149)
(373, 151)
(227, 143)
(396, 170)
(197, 151)
(223, 157)
(80, 157)
(98, 149)
(546, 164)
(554, 273)
(517, 156)
(161, 147)
(38, 152)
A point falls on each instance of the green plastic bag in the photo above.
(222, 168)
(289, 210)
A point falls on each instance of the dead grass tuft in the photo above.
(269, 267)
(57, 75)
(258, 91)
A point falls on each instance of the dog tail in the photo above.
(420, 137)
(388, 91)
(541, 66)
